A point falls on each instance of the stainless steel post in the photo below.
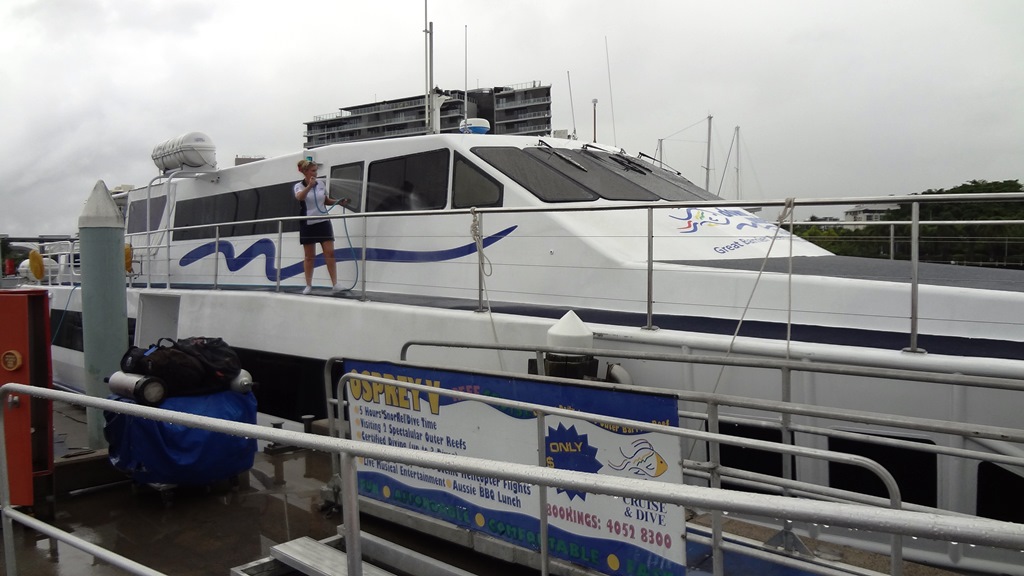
(216, 254)
(543, 497)
(478, 238)
(650, 270)
(279, 250)
(915, 230)
(364, 298)
(715, 457)
(350, 513)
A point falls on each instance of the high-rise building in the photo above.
(516, 109)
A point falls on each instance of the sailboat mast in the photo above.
(737, 136)
(707, 164)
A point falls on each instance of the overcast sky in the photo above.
(833, 98)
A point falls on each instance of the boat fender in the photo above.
(35, 265)
(128, 258)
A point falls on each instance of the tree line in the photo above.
(966, 244)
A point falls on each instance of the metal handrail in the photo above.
(979, 531)
(787, 409)
(895, 500)
(771, 363)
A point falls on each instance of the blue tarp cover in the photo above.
(161, 453)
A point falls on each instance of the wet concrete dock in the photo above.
(200, 531)
(194, 531)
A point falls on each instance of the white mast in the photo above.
(737, 163)
(707, 166)
(572, 108)
(611, 100)
(426, 71)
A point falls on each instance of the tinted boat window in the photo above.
(415, 182)
(347, 182)
(609, 184)
(996, 484)
(544, 182)
(266, 202)
(672, 186)
(664, 183)
(276, 201)
(248, 209)
(915, 472)
(137, 214)
(471, 187)
(211, 210)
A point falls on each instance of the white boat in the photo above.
(490, 239)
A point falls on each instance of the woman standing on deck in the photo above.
(313, 201)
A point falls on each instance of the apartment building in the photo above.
(516, 109)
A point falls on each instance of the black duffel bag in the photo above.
(182, 373)
(220, 361)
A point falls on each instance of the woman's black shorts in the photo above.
(315, 233)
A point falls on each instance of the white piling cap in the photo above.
(570, 332)
(100, 210)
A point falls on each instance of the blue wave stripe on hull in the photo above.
(265, 247)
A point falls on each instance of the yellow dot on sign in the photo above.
(387, 492)
(613, 561)
(448, 483)
(479, 519)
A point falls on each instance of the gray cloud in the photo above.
(833, 98)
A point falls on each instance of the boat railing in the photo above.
(899, 522)
(149, 242)
(780, 415)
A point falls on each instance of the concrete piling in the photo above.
(104, 298)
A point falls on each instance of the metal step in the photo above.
(313, 558)
(398, 557)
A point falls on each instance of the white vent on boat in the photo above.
(193, 150)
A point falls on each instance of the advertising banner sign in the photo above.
(612, 535)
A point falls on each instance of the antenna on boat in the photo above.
(611, 100)
(465, 74)
(572, 107)
(426, 71)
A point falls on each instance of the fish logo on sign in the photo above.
(643, 461)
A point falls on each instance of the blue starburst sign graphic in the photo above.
(567, 449)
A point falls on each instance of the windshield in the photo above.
(565, 175)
